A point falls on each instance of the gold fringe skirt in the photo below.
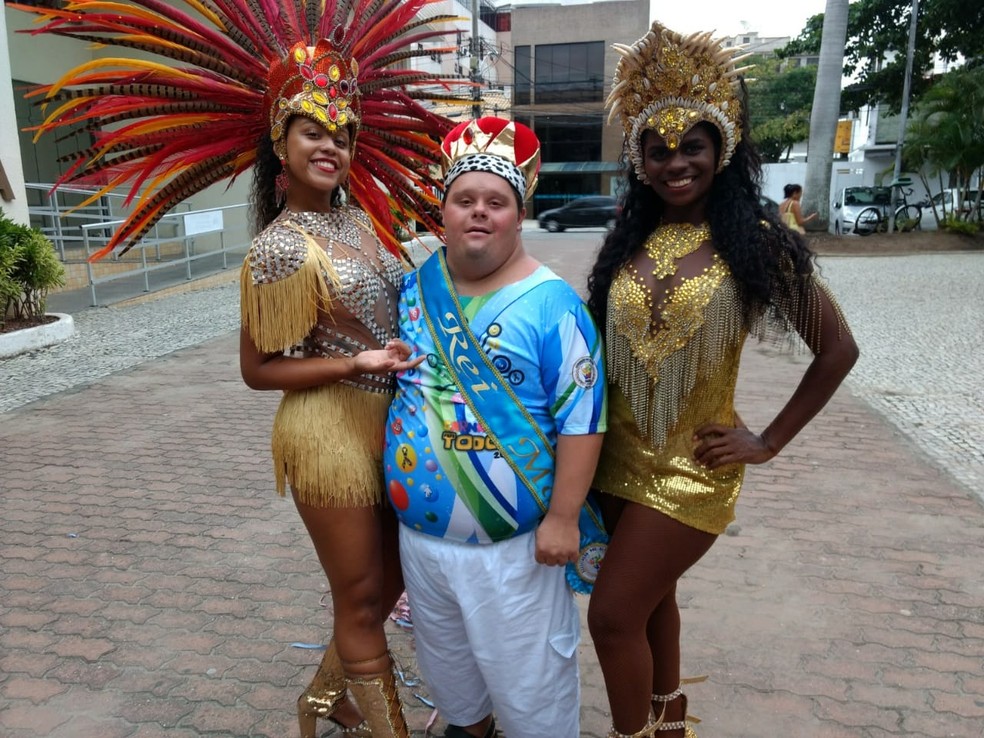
(328, 445)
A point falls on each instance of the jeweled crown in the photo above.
(667, 83)
(513, 142)
(316, 82)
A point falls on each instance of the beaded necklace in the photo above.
(335, 224)
(671, 242)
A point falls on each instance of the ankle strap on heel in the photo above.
(648, 730)
(666, 698)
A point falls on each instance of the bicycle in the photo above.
(907, 217)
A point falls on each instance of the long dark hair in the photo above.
(791, 189)
(750, 239)
(263, 190)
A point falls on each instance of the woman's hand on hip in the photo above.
(719, 445)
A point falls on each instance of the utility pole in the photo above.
(476, 52)
(904, 114)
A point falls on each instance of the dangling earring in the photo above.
(340, 195)
(282, 183)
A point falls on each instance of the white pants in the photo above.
(495, 631)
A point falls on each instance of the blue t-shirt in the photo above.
(444, 476)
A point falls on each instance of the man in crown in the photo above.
(491, 444)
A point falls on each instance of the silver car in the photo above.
(852, 200)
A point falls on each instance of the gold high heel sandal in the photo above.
(325, 693)
(379, 701)
(685, 723)
(648, 730)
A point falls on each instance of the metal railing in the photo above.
(61, 217)
(202, 235)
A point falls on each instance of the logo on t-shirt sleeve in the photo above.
(585, 372)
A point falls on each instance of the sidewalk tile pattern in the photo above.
(152, 583)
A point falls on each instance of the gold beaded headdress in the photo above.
(667, 83)
(316, 82)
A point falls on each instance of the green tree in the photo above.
(779, 106)
(877, 36)
(29, 268)
(947, 134)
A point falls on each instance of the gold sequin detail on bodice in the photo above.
(673, 367)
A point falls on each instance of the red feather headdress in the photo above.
(189, 125)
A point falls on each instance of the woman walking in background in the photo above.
(790, 210)
(693, 265)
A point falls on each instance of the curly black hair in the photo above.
(750, 239)
(263, 190)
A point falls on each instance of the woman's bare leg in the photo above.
(635, 594)
(358, 552)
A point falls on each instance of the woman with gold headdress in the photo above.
(693, 265)
(289, 88)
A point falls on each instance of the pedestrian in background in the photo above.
(790, 211)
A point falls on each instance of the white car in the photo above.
(944, 207)
(852, 200)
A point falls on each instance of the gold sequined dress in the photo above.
(321, 284)
(669, 378)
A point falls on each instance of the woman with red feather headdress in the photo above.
(340, 145)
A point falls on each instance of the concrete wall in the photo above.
(10, 154)
(44, 59)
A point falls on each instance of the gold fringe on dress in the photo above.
(328, 445)
(701, 333)
(278, 314)
(793, 321)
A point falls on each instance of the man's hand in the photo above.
(557, 540)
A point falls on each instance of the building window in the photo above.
(521, 84)
(569, 72)
(567, 137)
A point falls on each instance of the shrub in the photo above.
(954, 225)
(29, 268)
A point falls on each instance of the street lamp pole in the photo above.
(475, 75)
(904, 114)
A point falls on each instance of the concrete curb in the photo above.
(30, 339)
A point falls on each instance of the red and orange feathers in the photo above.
(167, 130)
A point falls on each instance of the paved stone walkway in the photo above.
(152, 584)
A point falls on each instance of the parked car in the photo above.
(584, 212)
(852, 200)
(944, 203)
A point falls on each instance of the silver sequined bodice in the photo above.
(368, 281)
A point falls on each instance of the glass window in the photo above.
(568, 72)
(569, 137)
(521, 85)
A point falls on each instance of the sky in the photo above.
(725, 17)
(731, 17)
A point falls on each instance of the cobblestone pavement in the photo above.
(919, 322)
(151, 583)
(109, 340)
